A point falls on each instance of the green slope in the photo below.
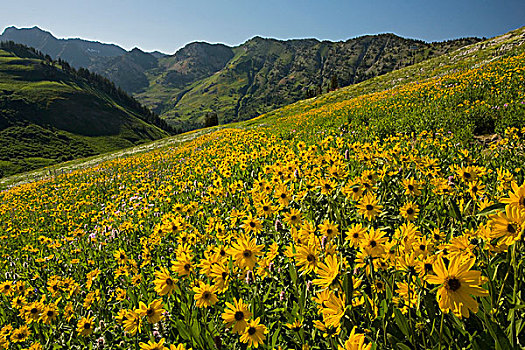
(264, 74)
(51, 113)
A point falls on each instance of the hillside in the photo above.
(239, 82)
(369, 217)
(50, 113)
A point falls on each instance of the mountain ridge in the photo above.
(243, 81)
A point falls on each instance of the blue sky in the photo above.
(168, 25)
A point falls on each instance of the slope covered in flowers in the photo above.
(308, 230)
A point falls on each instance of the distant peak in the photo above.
(136, 50)
(13, 29)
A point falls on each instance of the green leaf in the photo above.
(454, 210)
(491, 209)
(501, 341)
(402, 346)
(401, 321)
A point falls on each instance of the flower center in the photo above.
(247, 253)
(150, 312)
(369, 207)
(206, 295)
(239, 315)
(373, 244)
(410, 211)
(428, 267)
(252, 330)
(452, 283)
(310, 258)
(511, 229)
(355, 235)
(87, 325)
(169, 282)
(50, 313)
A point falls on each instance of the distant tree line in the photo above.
(95, 80)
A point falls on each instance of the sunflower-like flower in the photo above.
(85, 326)
(254, 334)
(153, 311)
(205, 295)
(307, 257)
(245, 252)
(508, 224)
(355, 341)
(20, 334)
(409, 211)
(237, 314)
(153, 345)
(516, 197)
(164, 283)
(458, 284)
(328, 272)
(369, 207)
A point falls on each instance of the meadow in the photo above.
(373, 222)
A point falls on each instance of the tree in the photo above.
(211, 119)
(334, 85)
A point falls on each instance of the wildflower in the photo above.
(328, 272)
(85, 326)
(254, 334)
(458, 283)
(245, 252)
(153, 312)
(369, 207)
(237, 314)
(355, 341)
(20, 334)
(164, 284)
(153, 345)
(205, 295)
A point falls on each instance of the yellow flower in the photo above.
(307, 257)
(153, 345)
(329, 229)
(254, 334)
(85, 326)
(293, 218)
(508, 224)
(205, 295)
(49, 314)
(327, 272)
(237, 315)
(153, 312)
(355, 341)
(20, 334)
(245, 252)
(411, 187)
(132, 323)
(516, 197)
(369, 207)
(458, 283)
(409, 211)
(164, 284)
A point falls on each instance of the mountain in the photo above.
(238, 82)
(50, 112)
(262, 74)
(77, 52)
